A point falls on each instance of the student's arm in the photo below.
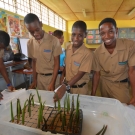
(34, 83)
(51, 86)
(59, 94)
(63, 75)
(4, 74)
(131, 73)
(1, 96)
(95, 81)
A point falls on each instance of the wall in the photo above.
(94, 25)
(49, 28)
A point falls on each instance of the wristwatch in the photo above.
(9, 84)
(67, 87)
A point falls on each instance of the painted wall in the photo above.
(48, 28)
(94, 25)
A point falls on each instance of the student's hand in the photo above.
(61, 68)
(51, 87)
(1, 96)
(93, 93)
(132, 101)
(60, 93)
(11, 88)
(33, 85)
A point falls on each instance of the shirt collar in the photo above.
(79, 50)
(44, 37)
(119, 46)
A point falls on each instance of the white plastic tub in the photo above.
(96, 113)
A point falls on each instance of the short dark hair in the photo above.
(29, 18)
(4, 38)
(80, 24)
(58, 33)
(108, 20)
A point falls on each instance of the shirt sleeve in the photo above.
(1, 53)
(57, 50)
(131, 58)
(86, 63)
(95, 63)
(29, 49)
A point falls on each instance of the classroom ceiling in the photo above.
(95, 10)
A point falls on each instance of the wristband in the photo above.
(9, 84)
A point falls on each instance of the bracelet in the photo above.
(9, 84)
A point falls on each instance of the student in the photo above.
(59, 35)
(44, 49)
(78, 63)
(114, 63)
(4, 42)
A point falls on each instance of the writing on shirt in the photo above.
(123, 63)
(47, 50)
(76, 63)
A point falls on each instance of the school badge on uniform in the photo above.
(76, 63)
(123, 63)
(45, 50)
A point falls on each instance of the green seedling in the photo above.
(68, 103)
(63, 123)
(39, 99)
(102, 131)
(72, 108)
(23, 112)
(32, 100)
(39, 115)
(29, 105)
(52, 123)
(18, 110)
(77, 108)
(12, 115)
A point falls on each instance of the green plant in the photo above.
(39, 98)
(52, 123)
(68, 103)
(12, 115)
(72, 108)
(39, 115)
(32, 100)
(18, 110)
(102, 131)
(63, 123)
(71, 120)
(29, 105)
(23, 111)
(77, 108)
(59, 105)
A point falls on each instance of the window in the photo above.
(64, 25)
(8, 5)
(22, 7)
(51, 18)
(44, 14)
(56, 21)
(60, 23)
(35, 8)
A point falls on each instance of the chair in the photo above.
(25, 73)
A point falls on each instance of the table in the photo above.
(97, 111)
(10, 66)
